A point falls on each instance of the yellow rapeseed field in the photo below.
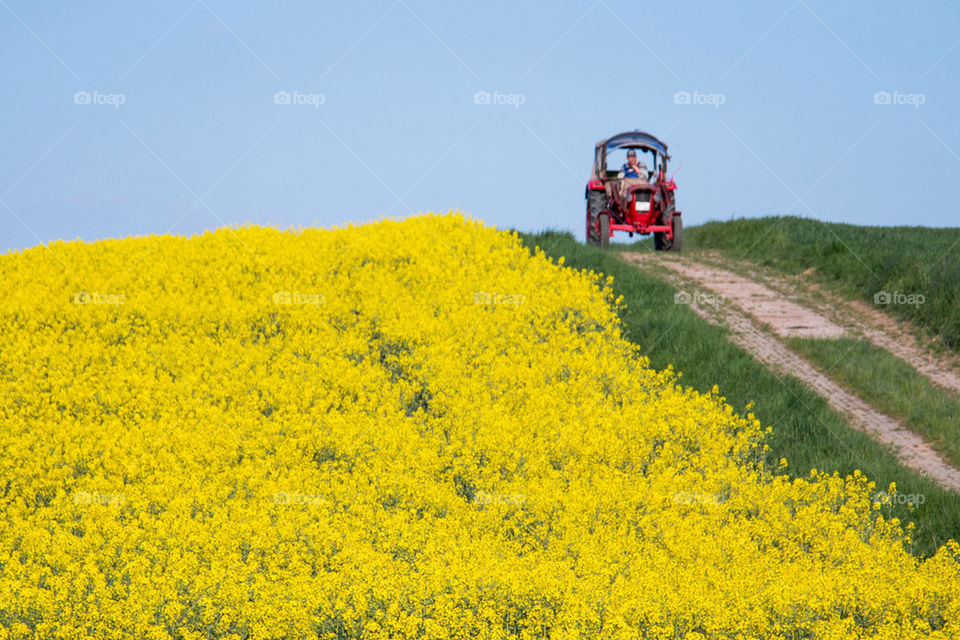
(411, 429)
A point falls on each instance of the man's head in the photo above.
(631, 156)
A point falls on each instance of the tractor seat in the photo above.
(638, 186)
(628, 185)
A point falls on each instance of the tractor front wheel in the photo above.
(677, 224)
(660, 241)
(604, 231)
(596, 202)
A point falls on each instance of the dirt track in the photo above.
(761, 309)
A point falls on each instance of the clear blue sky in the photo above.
(199, 140)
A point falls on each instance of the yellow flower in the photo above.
(404, 429)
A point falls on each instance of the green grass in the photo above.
(892, 386)
(859, 261)
(805, 430)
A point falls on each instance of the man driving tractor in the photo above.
(632, 168)
(631, 173)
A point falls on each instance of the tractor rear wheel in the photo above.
(604, 231)
(660, 242)
(596, 202)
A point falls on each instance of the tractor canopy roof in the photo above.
(626, 140)
(633, 140)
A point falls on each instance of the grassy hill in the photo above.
(862, 261)
(806, 432)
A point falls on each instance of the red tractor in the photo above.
(617, 201)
